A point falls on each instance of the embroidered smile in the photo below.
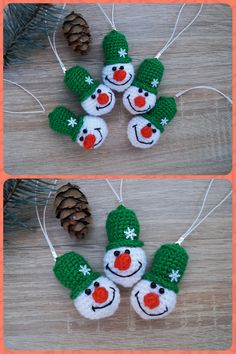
(145, 110)
(125, 276)
(149, 314)
(114, 83)
(94, 308)
(101, 137)
(137, 137)
(108, 104)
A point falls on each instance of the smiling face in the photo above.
(138, 101)
(141, 133)
(125, 265)
(101, 102)
(101, 299)
(118, 76)
(152, 301)
(93, 133)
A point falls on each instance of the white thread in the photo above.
(204, 87)
(195, 224)
(112, 22)
(171, 40)
(31, 94)
(120, 195)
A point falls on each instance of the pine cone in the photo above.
(72, 209)
(77, 32)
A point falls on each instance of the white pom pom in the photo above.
(151, 301)
(92, 133)
(118, 76)
(101, 102)
(138, 101)
(100, 300)
(141, 133)
(128, 268)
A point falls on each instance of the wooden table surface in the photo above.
(39, 314)
(198, 141)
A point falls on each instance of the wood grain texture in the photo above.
(198, 141)
(39, 314)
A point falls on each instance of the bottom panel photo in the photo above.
(126, 264)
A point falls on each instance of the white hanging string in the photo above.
(112, 22)
(29, 93)
(120, 195)
(171, 40)
(204, 87)
(195, 224)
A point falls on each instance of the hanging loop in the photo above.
(180, 93)
(111, 21)
(119, 195)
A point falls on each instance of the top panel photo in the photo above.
(117, 89)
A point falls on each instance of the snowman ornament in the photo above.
(88, 131)
(94, 295)
(154, 297)
(118, 71)
(125, 260)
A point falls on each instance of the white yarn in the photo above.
(109, 80)
(120, 195)
(95, 126)
(131, 94)
(135, 136)
(92, 105)
(112, 22)
(204, 87)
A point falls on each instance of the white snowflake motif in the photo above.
(89, 80)
(122, 52)
(155, 82)
(72, 122)
(85, 270)
(130, 233)
(164, 121)
(174, 275)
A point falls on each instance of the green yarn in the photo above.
(163, 112)
(68, 271)
(113, 44)
(149, 75)
(78, 80)
(169, 258)
(118, 222)
(65, 122)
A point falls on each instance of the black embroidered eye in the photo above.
(127, 251)
(116, 253)
(114, 68)
(93, 97)
(87, 291)
(149, 124)
(140, 90)
(153, 285)
(161, 291)
(85, 131)
(96, 284)
(154, 130)
(99, 91)
(81, 138)
(146, 94)
(121, 67)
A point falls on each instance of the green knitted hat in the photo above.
(163, 112)
(115, 47)
(168, 266)
(78, 80)
(122, 228)
(149, 75)
(74, 272)
(65, 122)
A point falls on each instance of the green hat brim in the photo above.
(160, 281)
(152, 120)
(141, 85)
(118, 60)
(80, 288)
(82, 96)
(124, 243)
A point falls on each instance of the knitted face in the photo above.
(138, 101)
(101, 102)
(92, 133)
(151, 301)
(118, 76)
(101, 299)
(141, 133)
(125, 265)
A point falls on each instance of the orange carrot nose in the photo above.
(139, 101)
(146, 132)
(100, 294)
(151, 300)
(103, 98)
(89, 141)
(123, 261)
(119, 75)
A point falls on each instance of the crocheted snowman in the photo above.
(94, 295)
(124, 260)
(96, 99)
(89, 132)
(140, 97)
(118, 71)
(154, 297)
(144, 130)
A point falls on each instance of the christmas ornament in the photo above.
(144, 130)
(72, 208)
(77, 32)
(88, 131)
(96, 99)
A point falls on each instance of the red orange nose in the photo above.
(89, 141)
(123, 261)
(151, 300)
(146, 132)
(102, 98)
(100, 294)
(139, 101)
(119, 75)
